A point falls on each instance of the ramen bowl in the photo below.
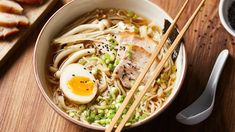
(67, 14)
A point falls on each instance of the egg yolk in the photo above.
(82, 86)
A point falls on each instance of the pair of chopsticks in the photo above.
(156, 72)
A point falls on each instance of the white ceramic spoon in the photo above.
(200, 109)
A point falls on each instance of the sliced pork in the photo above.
(10, 7)
(31, 1)
(133, 61)
(7, 19)
(6, 31)
(131, 38)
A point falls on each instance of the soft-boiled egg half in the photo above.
(77, 84)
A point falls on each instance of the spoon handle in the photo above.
(217, 69)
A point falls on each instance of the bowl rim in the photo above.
(64, 115)
(222, 18)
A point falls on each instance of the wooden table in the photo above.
(22, 107)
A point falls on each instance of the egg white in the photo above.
(67, 74)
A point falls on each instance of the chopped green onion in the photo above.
(129, 51)
(101, 114)
(107, 61)
(130, 14)
(82, 61)
(128, 124)
(71, 114)
(100, 111)
(120, 98)
(135, 16)
(159, 81)
(112, 106)
(114, 91)
(108, 121)
(111, 67)
(82, 107)
(107, 56)
(97, 117)
(168, 93)
(136, 30)
(112, 58)
(102, 121)
(174, 68)
(109, 37)
(116, 62)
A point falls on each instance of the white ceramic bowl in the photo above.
(223, 14)
(73, 10)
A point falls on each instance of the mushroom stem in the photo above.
(73, 58)
(101, 25)
(120, 27)
(66, 52)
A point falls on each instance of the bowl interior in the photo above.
(223, 13)
(73, 10)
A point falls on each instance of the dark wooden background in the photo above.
(22, 107)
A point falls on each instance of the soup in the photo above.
(96, 61)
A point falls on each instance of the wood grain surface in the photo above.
(34, 14)
(23, 109)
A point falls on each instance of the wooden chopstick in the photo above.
(144, 71)
(158, 69)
